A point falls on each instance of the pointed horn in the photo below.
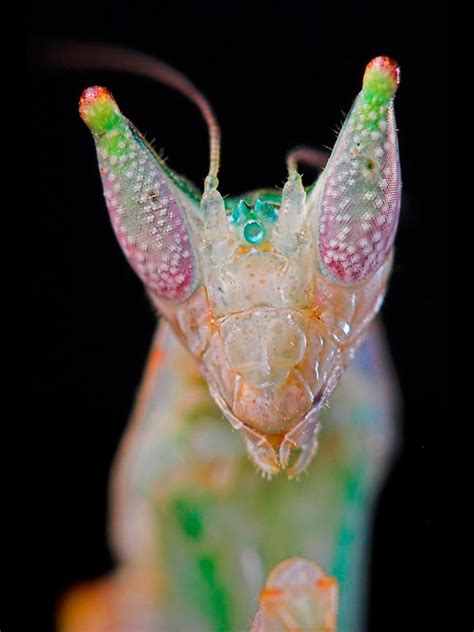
(95, 55)
(146, 208)
(358, 196)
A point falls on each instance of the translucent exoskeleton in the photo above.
(270, 291)
(195, 530)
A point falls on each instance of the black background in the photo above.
(278, 74)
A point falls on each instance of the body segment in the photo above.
(184, 491)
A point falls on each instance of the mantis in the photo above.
(265, 299)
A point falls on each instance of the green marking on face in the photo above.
(250, 197)
(255, 217)
(254, 232)
(240, 213)
(266, 210)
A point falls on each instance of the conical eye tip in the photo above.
(98, 109)
(381, 77)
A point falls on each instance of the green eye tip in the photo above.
(381, 78)
(254, 232)
(240, 213)
(266, 210)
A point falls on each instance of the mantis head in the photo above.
(271, 291)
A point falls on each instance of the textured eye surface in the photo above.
(360, 199)
(146, 208)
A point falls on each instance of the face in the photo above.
(271, 293)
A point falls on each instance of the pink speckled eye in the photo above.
(147, 209)
(360, 198)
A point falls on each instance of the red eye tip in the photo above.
(98, 109)
(92, 95)
(383, 67)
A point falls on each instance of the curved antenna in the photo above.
(91, 56)
(313, 157)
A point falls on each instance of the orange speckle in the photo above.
(268, 594)
(315, 313)
(155, 359)
(325, 583)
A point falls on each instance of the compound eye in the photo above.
(360, 199)
(146, 209)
